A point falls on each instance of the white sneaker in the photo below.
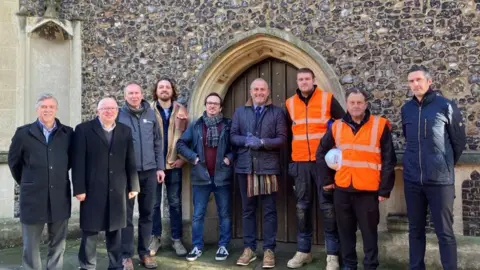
(332, 263)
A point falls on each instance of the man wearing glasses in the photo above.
(206, 145)
(104, 173)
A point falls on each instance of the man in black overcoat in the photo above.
(39, 160)
(104, 173)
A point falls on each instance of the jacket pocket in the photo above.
(293, 169)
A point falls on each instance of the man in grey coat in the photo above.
(39, 159)
(147, 142)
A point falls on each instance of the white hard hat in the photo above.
(334, 159)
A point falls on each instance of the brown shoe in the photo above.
(247, 257)
(127, 264)
(268, 259)
(148, 262)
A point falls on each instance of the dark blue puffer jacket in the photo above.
(434, 137)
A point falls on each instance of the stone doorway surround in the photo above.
(252, 47)
(231, 61)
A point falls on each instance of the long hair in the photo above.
(174, 89)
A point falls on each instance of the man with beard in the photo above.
(147, 142)
(259, 132)
(104, 174)
(172, 119)
(206, 145)
(309, 112)
(39, 159)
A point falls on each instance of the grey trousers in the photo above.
(87, 255)
(32, 236)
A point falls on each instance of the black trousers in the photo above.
(352, 209)
(440, 201)
(32, 236)
(87, 255)
(146, 200)
(307, 181)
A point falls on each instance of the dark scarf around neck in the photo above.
(212, 130)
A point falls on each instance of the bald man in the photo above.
(147, 143)
(104, 173)
(259, 131)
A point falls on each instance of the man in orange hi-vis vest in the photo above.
(309, 111)
(365, 177)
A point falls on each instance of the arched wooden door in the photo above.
(281, 77)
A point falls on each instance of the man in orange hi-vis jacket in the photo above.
(309, 111)
(365, 177)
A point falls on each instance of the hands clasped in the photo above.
(253, 142)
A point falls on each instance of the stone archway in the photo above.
(252, 47)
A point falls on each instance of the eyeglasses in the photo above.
(108, 109)
(212, 103)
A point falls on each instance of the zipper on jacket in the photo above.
(419, 143)
(141, 143)
(425, 129)
(306, 133)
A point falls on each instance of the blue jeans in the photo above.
(440, 200)
(173, 181)
(201, 193)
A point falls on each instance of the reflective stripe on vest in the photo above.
(360, 147)
(309, 123)
(310, 136)
(324, 118)
(361, 162)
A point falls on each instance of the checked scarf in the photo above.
(212, 130)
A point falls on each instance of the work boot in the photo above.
(332, 263)
(247, 257)
(148, 262)
(179, 248)
(127, 264)
(299, 260)
(154, 245)
(268, 259)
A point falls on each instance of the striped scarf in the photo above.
(261, 184)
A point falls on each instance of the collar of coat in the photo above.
(347, 119)
(250, 102)
(429, 97)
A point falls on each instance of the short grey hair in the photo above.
(259, 80)
(130, 85)
(43, 97)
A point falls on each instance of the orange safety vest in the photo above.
(361, 157)
(309, 123)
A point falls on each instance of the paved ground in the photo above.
(166, 258)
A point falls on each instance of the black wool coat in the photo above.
(41, 170)
(105, 173)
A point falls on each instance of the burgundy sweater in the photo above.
(210, 152)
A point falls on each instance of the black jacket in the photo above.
(387, 152)
(105, 172)
(271, 128)
(41, 170)
(190, 145)
(434, 139)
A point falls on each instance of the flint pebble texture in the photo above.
(471, 205)
(369, 44)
